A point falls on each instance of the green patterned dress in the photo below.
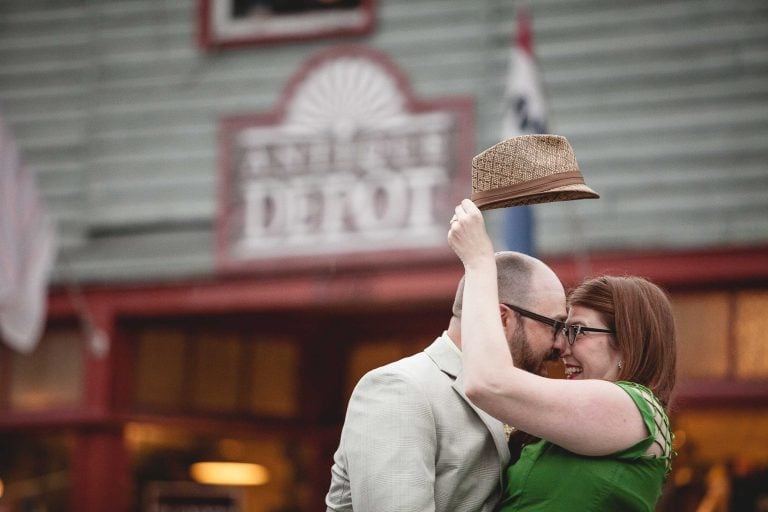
(550, 478)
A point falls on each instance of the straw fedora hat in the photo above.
(528, 169)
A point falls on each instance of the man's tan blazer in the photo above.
(413, 442)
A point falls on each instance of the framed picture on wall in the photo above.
(231, 23)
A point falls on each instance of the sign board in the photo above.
(349, 169)
(231, 23)
(190, 497)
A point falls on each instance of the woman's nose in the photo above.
(560, 343)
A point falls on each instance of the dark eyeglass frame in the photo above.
(557, 325)
(573, 330)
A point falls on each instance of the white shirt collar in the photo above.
(451, 343)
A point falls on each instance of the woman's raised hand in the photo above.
(467, 235)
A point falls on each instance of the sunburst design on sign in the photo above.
(344, 95)
(349, 164)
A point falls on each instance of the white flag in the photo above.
(525, 107)
(27, 250)
(524, 113)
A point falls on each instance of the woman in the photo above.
(605, 437)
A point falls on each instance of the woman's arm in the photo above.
(590, 417)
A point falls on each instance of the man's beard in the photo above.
(523, 355)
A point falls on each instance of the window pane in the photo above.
(751, 326)
(161, 455)
(274, 385)
(372, 354)
(725, 434)
(217, 368)
(718, 450)
(51, 376)
(35, 472)
(702, 334)
(160, 368)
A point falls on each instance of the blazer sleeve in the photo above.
(388, 444)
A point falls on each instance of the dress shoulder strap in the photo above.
(661, 431)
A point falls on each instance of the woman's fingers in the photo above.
(458, 212)
(467, 235)
(466, 209)
(470, 207)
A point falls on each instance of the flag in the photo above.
(524, 113)
(27, 250)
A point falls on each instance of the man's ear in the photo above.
(506, 315)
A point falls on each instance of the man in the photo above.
(412, 441)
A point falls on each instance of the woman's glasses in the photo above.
(573, 331)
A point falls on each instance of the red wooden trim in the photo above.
(674, 268)
(124, 349)
(363, 289)
(101, 478)
(246, 427)
(404, 284)
(60, 418)
(5, 377)
(203, 27)
(718, 393)
(98, 367)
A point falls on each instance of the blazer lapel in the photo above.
(449, 361)
(495, 427)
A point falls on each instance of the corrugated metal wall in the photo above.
(666, 104)
(117, 109)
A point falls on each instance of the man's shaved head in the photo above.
(514, 274)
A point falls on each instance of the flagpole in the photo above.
(524, 113)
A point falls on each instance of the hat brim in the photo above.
(562, 193)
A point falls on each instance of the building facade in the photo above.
(251, 203)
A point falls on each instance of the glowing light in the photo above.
(679, 440)
(229, 473)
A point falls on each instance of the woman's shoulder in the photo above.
(640, 392)
(659, 441)
(628, 384)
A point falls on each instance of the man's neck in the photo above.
(454, 331)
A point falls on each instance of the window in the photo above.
(751, 324)
(162, 458)
(51, 377)
(702, 321)
(216, 371)
(35, 471)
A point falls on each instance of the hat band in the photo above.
(535, 186)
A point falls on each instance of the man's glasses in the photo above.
(571, 332)
(558, 326)
(575, 330)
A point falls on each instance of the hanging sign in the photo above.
(350, 168)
